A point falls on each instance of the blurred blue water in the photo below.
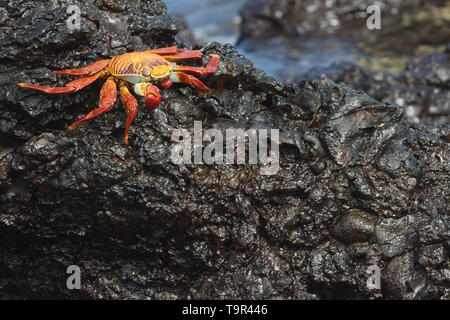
(288, 59)
(210, 20)
(219, 20)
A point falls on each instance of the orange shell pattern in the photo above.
(134, 63)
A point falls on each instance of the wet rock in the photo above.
(185, 35)
(416, 81)
(357, 185)
(355, 226)
(402, 279)
(394, 235)
(422, 88)
(432, 256)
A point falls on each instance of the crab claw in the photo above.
(151, 94)
(152, 101)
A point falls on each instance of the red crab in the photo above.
(140, 70)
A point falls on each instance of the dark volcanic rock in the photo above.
(423, 88)
(357, 184)
(185, 35)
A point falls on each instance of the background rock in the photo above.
(405, 61)
(404, 24)
(422, 88)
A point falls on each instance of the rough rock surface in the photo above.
(422, 88)
(358, 185)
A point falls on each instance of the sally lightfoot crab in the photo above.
(139, 71)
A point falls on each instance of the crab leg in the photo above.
(108, 96)
(180, 77)
(161, 51)
(131, 105)
(175, 54)
(86, 71)
(183, 54)
(210, 68)
(71, 87)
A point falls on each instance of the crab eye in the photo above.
(145, 72)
